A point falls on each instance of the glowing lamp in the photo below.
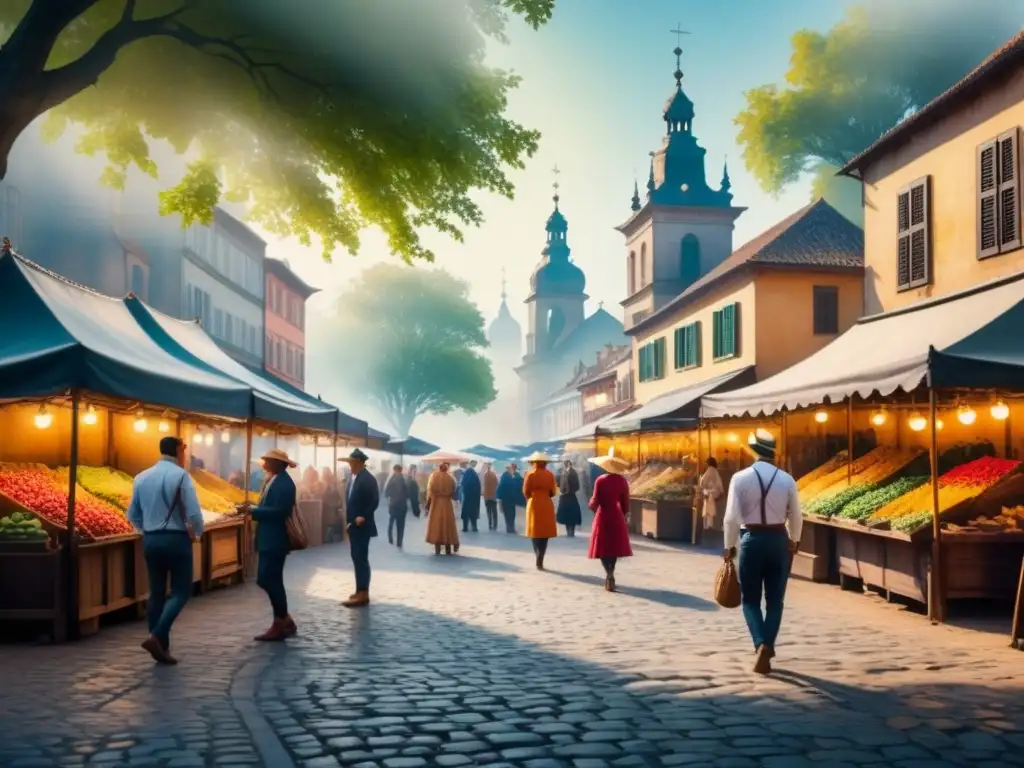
(733, 438)
(966, 415)
(209, 438)
(43, 418)
(1000, 411)
(878, 418)
(163, 426)
(197, 438)
(821, 416)
(141, 425)
(938, 424)
(917, 422)
(89, 417)
(225, 436)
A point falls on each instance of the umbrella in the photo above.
(439, 457)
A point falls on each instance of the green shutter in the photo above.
(659, 358)
(691, 340)
(716, 335)
(727, 331)
(643, 363)
(679, 341)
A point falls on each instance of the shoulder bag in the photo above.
(295, 528)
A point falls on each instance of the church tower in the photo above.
(506, 338)
(684, 228)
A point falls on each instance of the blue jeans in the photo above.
(764, 567)
(359, 543)
(270, 578)
(167, 554)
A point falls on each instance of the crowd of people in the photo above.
(761, 520)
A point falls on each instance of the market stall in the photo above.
(922, 501)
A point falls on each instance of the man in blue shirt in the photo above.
(165, 509)
(363, 500)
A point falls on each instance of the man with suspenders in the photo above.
(762, 514)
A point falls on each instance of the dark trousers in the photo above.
(540, 548)
(359, 543)
(270, 578)
(609, 564)
(467, 522)
(508, 509)
(764, 568)
(415, 503)
(492, 514)
(396, 519)
(168, 554)
(570, 531)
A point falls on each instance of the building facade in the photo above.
(684, 228)
(284, 351)
(942, 190)
(607, 388)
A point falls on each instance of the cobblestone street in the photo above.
(481, 660)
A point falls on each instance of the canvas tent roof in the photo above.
(970, 340)
(411, 446)
(680, 405)
(187, 340)
(590, 428)
(58, 336)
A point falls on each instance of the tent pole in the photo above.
(697, 509)
(71, 558)
(786, 463)
(316, 447)
(936, 592)
(849, 440)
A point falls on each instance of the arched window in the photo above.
(689, 259)
(631, 273)
(643, 265)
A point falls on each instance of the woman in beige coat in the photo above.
(711, 490)
(442, 530)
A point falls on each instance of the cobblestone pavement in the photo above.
(481, 660)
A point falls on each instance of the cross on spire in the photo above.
(679, 32)
(504, 295)
(554, 184)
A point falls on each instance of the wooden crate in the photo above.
(981, 565)
(225, 552)
(816, 560)
(106, 578)
(636, 514)
(30, 586)
(666, 520)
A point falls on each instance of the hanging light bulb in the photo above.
(209, 438)
(225, 436)
(917, 422)
(165, 424)
(878, 417)
(89, 417)
(43, 418)
(141, 425)
(966, 415)
(1000, 411)
(821, 416)
(938, 424)
(197, 438)
(732, 437)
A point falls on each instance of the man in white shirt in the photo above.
(762, 513)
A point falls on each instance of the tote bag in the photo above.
(296, 530)
(727, 586)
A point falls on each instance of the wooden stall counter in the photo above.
(666, 520)
(224, 552)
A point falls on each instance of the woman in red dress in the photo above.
(609, 535)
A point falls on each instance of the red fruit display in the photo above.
(981, 472)
(37, 490)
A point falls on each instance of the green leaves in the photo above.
(410, 341)
(325, 118)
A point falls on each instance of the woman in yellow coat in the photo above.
(442, 531)
(540, 488)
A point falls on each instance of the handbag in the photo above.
(295, 528)
(727, 586)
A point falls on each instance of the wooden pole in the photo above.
(71, 557)
(697, 510)
(787, 463)
(849, 440)
(936, 593)
(248, 456)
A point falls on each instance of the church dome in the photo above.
(558, 277)
(679, 108)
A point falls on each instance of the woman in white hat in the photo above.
(609, 534)
(540, 488)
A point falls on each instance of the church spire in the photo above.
(726, 184)
(650, 178)
(504, 286)
(635, 206)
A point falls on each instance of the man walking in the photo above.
(510, 494)
(165, 508)
(762, 502)
(490, 485)
(470, 485)
(396, 491)
(363, 500)
(414, 490)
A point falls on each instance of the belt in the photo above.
(758, 527)
(165, 532)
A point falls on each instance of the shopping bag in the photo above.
(727, 586)
(296, 530)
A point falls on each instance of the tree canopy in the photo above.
(409, 341)
(324, 117)
(847, 86)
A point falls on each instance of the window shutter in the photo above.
(716, 335)
(695, 334)
(903, 233)
(679, 341)
(988, 186)
(659, 358)
(1009, 191)
(920, 246)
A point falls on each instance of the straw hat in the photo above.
(278, 455)
(761, 444)
(538, 456)
(611, 463)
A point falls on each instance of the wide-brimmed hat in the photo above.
(356, 455)
(278, 455)
(538, 456)
(611, 463)
(761, 444)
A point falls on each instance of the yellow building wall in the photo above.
(784, 325)
(947, 152)
(699, 311)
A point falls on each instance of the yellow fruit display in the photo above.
(830, 466)
(213, 502)
(221, 487)
(872, 467)
(111, 485)
(920, 501)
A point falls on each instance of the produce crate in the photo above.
(886, 560)
(816, 560)
(981, 565)
(666, 520)
(312, 515)
(107, 571)
(31, 589)
(636, 514)
(225, 544)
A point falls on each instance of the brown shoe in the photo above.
(153, 647)
(275, 634)
(763, 665)
(289, 626)
(358, 601)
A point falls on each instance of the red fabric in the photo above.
(609, 536)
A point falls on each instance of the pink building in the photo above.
(285, 353)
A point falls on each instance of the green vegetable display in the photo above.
(832, 505)
(910, 523)
(20, 526)
(863, 506)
